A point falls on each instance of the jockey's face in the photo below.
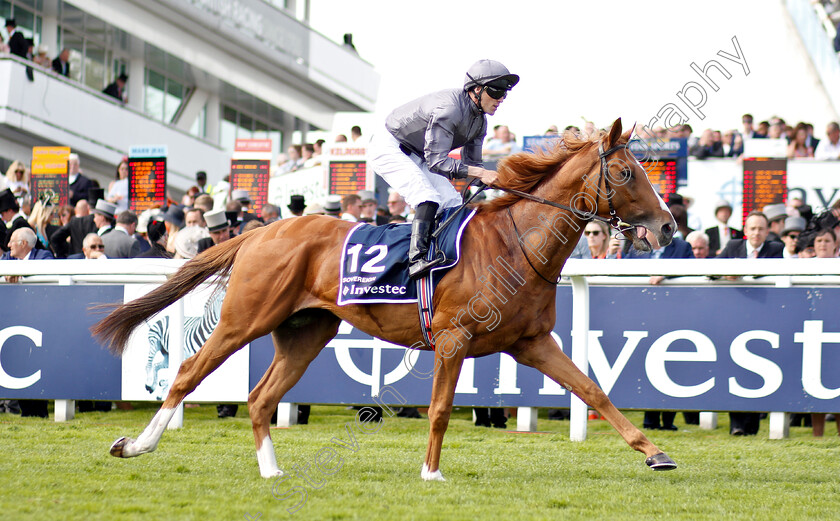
(488, 104)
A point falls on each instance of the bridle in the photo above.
(613, 221)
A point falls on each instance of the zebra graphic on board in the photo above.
(196, 331)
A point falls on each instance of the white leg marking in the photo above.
(431, 476)
(149, 439)
(266, 459)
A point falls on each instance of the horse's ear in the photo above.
(627, 136)
(615, 133)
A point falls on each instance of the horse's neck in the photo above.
(548, 234)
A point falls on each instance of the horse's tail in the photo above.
(115, 329)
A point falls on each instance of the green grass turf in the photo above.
(208, 471)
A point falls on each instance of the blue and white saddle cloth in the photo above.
(374, 261)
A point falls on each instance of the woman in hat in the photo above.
(412, 153)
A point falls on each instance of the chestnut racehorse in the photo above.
(284, 280)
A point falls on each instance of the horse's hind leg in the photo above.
(296, 343)
(228, 337)
(544, 354)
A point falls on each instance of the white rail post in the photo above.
(65, 410)
(708, 420)
(580, 353)
(780, 421)
(287, 414)
(526, 419)
(176, 356)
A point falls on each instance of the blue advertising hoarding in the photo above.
(46, 350)
(683, 348)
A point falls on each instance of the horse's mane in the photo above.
(524, 171)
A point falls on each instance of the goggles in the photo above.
(494, 92)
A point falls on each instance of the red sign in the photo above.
(663, 176)
(253, 145)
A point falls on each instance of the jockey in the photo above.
(413, 155)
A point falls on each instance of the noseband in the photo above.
(614, 221)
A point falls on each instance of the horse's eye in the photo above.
(627, 173)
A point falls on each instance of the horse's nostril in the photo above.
(667, 231)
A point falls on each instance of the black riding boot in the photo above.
(421, 237)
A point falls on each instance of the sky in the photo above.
(596, 60)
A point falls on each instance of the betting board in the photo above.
(663, 176)
(251, 175)
(765, 182)
(49, 175)
(146, 177)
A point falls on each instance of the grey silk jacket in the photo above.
(436, 124)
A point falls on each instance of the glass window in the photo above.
(95, 59)
(199, 126)
(172, 100)
(5, 11)
(76, 44)
(155, 87)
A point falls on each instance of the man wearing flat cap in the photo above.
(100, 221)
(721, 233)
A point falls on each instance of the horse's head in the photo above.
(623, 182)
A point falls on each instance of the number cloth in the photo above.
(374, 261)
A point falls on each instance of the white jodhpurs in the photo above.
(409, 175)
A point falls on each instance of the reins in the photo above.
(614, 221)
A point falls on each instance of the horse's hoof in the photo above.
(118, 446)
(660, 461)
(431, 476)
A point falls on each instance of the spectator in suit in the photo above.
(754, 246)
(99, 222)
(120, 242)
(297, 204)
(720, 234)
(776, 215)
(829, 148)
(17, 41)
(219, 228)
(269, 213)
(699, 242)
(78, 183)
(61, 63)
(369, 207)
(793, 227)
(116, 89)
(351, 208)
(397, 205)
(749, 131)
(92, 248)
(194, 217)
(12, 220)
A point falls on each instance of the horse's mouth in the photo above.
(638, 235)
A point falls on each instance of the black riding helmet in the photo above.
(492, 76)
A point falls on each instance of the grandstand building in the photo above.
(201, 73)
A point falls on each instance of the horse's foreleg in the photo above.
(447, 368)
(545, 355)
(294, 349)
